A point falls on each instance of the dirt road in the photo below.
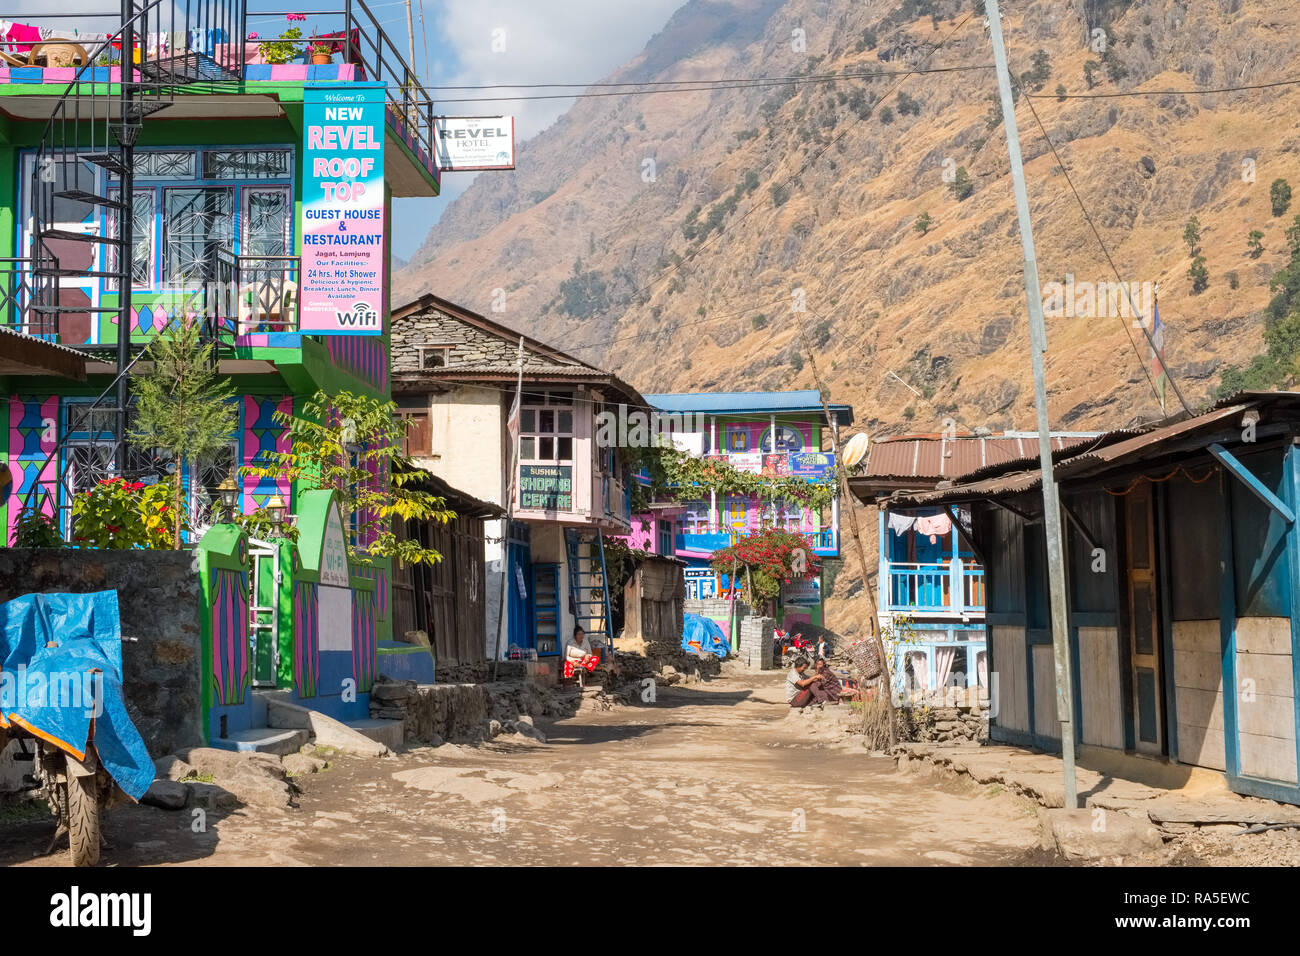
(716, 773)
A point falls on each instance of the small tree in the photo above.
(352, 444)
(1192, 236)
(1199, 275)
(1254, 243)
(1293, 237)
(183, 407)
(1060, 92)
(962, 185)
(1090, 73)
(1279, 194)
(923, 223)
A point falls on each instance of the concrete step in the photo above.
(325, 731)
(264, 740)
(390, 733)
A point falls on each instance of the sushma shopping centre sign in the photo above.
(343, 250)
(546, 487)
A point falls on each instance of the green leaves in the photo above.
(352, 444)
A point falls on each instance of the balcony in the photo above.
(825, 542)
(952, 589)
(256, 298)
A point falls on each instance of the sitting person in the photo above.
(578, 653)
(828, 687)
(799, 684)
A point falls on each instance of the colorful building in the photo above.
(777, 432)
(455, 375)
(931, 599)
(251, 190)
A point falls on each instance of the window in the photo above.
(546, 434)
(788, 438)
(435, 356)
(265, 226)
(142, 237)
(737, 438)
(665, 528)
(196, 223)
(418, 440)
(738, 512)
(162, 164)
(246, 164)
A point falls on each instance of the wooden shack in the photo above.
(653, 599)
(447, 599)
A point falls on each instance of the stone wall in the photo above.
(158, 599)
(756, 641)
(469, 345)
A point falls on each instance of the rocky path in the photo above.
(713, 773)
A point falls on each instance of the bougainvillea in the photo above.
(766, 560)
(122, 514)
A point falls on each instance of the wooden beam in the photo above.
(1247, 478)
(1079, 526)
(969, 539)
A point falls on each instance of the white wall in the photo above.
(1265, 705)
(1198, 693)
(1099, 684)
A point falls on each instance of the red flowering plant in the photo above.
(121, 514)
(765, 560)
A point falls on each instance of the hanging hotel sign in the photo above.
(343, 249)
(546, 487)
(813, 465)
(802, 592)
(475, 142)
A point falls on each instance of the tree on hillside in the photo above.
(1254, 243)
(1090, 73)
(1279, 194)
(1192, 236)
(183, 407)
(962, 185)
(923, 223)
(1293, 237)
(1199, 275)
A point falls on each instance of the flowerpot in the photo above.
(319, 59)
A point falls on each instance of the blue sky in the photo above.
(545, 41)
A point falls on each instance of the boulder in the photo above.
(166, 795)
(299, 765)
(1095, 834)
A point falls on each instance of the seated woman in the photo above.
(828, 688)
(578, 653)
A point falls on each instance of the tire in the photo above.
(83, 818)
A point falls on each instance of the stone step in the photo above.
(390, 733)
(264, 740)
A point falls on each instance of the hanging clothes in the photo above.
(20, 38)
(901, 524)
(935, 526)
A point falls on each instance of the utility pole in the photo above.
(886, 684)
(1037, 346)
(512, 430)
(410, 36)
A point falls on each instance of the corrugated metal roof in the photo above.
(933, 459)
(1108, 452)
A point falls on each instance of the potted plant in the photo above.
(322, 51)
(286, 47)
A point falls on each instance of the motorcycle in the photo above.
(76, 732)
(76, 790)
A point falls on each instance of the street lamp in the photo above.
(276, 506)
(229, 492)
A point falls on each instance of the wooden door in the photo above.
(1144, 623)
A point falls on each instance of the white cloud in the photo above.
(559, 41)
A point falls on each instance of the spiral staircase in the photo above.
(88, 143)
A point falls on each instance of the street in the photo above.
(713, 774)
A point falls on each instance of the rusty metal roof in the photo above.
(936, 458)
(1110, 450)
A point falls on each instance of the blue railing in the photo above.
(936, 588)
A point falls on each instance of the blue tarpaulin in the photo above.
(56, 691)
(702, 634)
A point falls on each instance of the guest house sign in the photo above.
(475, 142)
(342, 278)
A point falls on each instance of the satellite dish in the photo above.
(855, 450)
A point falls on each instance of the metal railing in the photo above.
(16, 299)
(355, 31)
(260, 295)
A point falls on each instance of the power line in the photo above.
(793, 78)
(1195, 91)
(1106, 251)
